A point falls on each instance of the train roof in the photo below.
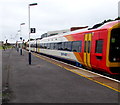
(106, 25)
(109, 24)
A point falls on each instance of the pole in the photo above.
(29, 56)
(21, 41)
(33, 4)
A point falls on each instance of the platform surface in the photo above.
(43, 82)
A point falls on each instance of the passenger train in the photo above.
(97, 49)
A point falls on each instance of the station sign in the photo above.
(32, 30)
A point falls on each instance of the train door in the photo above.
(87, 48)
(97, 52)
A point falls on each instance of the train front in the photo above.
(113, 48)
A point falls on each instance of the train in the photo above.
(95, 48)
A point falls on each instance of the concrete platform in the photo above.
(43, 82)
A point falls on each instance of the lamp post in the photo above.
(21, 38)
(18, 47)
(33, 4)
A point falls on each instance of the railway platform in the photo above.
(44, 82)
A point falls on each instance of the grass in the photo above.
(1, 48)
(5, 47)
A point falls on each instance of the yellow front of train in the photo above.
(113, 48)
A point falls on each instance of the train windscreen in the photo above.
(114, 54)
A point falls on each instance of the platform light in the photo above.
(29, 56)
(33, 4)
(21, 37)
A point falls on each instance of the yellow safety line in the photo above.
(77, 73)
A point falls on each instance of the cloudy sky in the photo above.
(51, 15)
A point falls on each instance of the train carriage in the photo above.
(96, 48)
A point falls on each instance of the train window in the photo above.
(34, 45)
(38, 45)
(85, 49)
(77, 46)
(56, 46)
(69, 46)
(66, 46)
(52, 46)
(45, 45)
(63, 45)
(42, 45)
(99, 46)
(59, 46)
(48, 46)
(89, 44)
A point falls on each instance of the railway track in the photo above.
(111, 82)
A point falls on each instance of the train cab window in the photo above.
(114, 52)
(99, 46)
(77, 46)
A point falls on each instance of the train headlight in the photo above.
(113, 40)
(114, 59)
(117, 48)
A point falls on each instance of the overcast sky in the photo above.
(51, 15)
